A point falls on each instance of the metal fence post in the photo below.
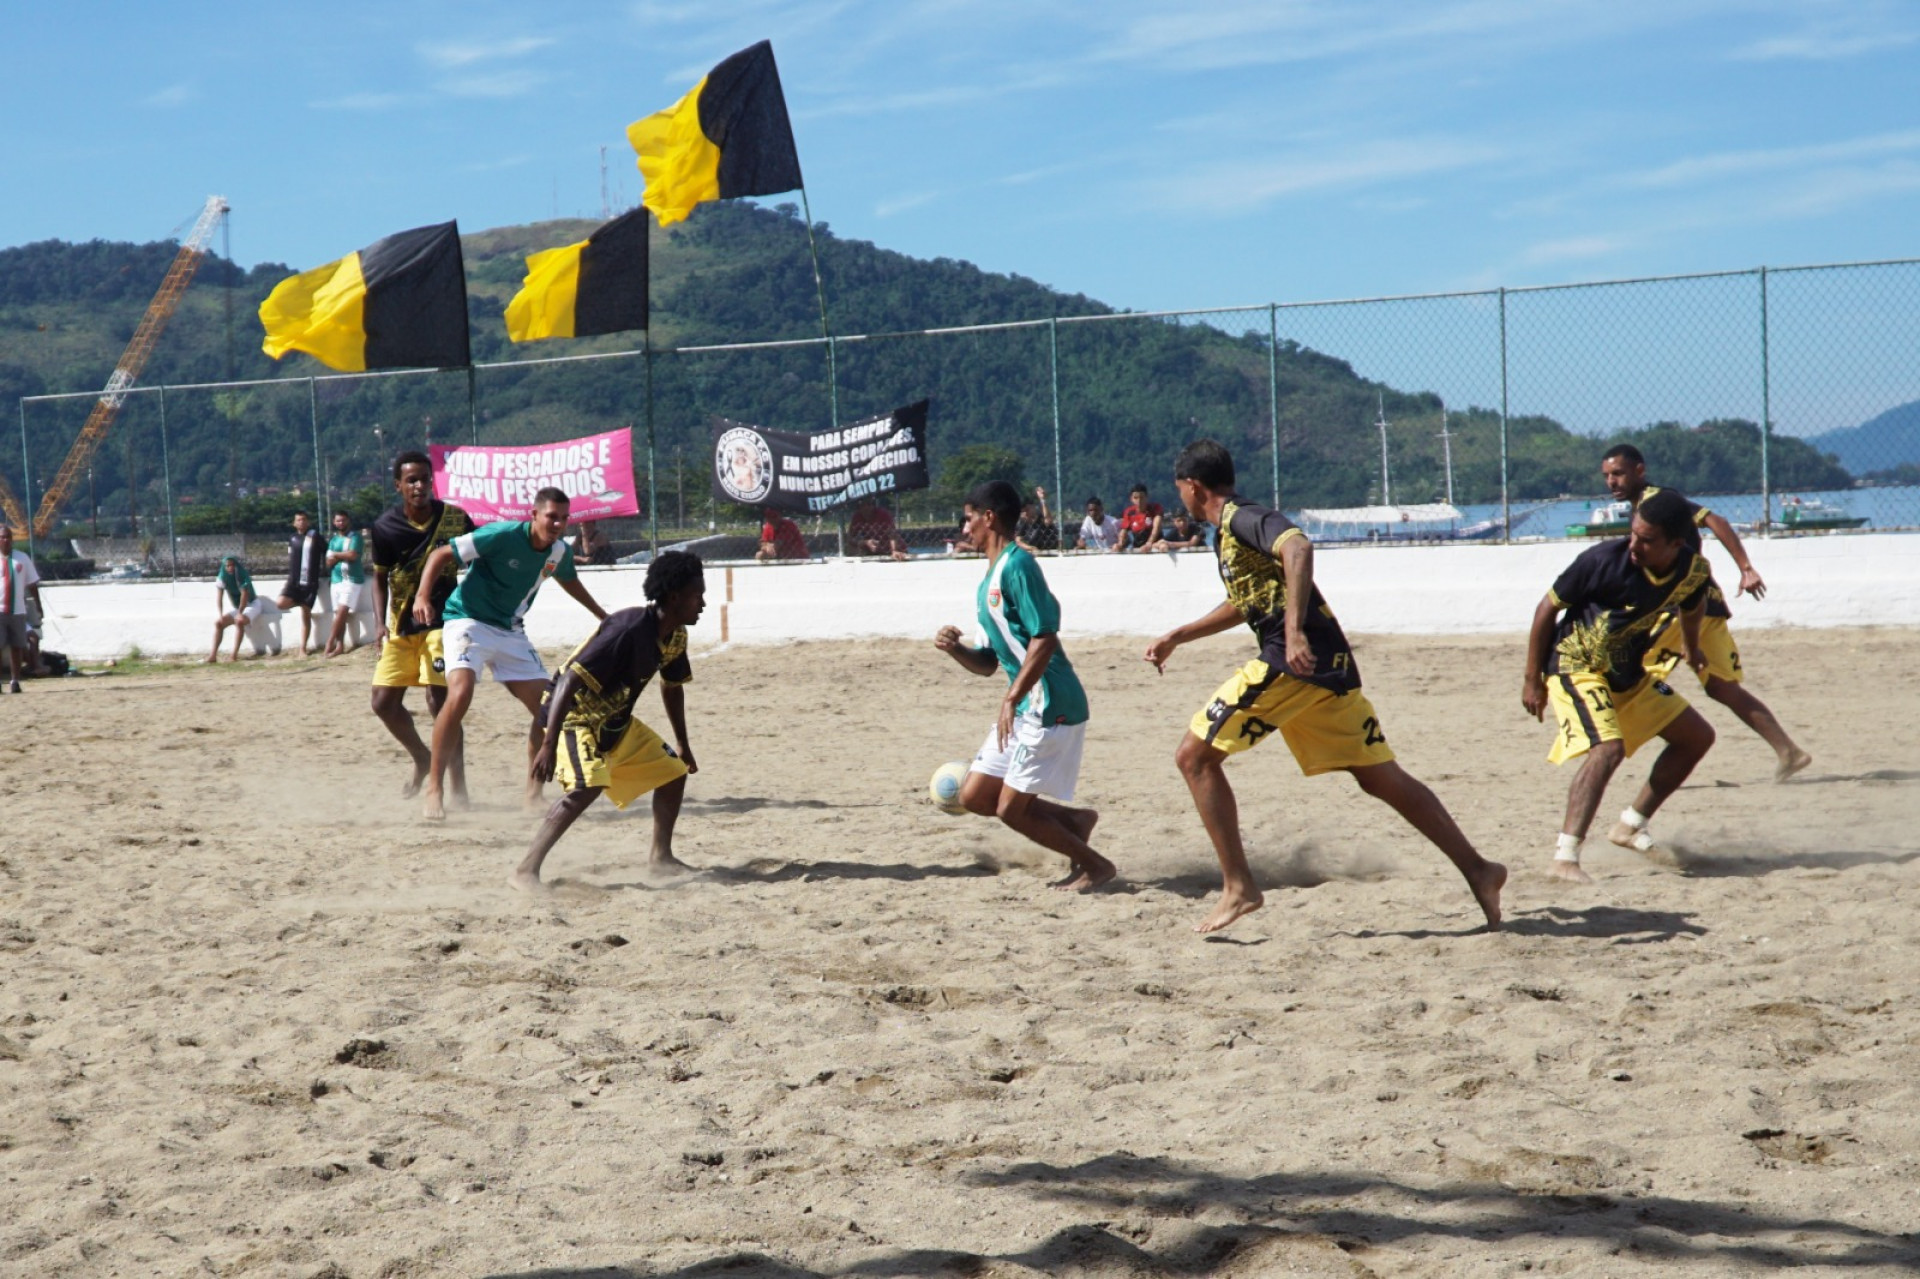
(166, 479)
(26, 478)
(653, 504)
(1059, 476)
(1506, 497)
(473, 407)
(1273, 390)
(319, 481)
(1766, 416)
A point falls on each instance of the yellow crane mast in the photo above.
(126, 373)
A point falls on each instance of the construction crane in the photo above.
(126, 373)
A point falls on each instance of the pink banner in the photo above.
(596, 471)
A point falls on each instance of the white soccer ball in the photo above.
(944, 789)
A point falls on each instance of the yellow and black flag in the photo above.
(729, 137)
(581, 290)
(399, 303)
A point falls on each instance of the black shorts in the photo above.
(302, 596)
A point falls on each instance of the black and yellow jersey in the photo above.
(401, 548)
(1616, 609)
(1697, 515)
(613, 668)
(1248, 551)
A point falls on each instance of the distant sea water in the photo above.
(1889, 509)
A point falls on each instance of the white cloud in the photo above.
(1716, 166)
(1242, 186)
(497, 84)
(174, 95)
(464, 54)
(900, 204)
(1823, 45)
(1574, 249)
(360, 102)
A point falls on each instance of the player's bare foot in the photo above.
(415, 782)
(1791, 765)
(1570, 872)
(666, 864)
(1486, 885)
(431, 808)
(527, 881)
(1084, 879)
(1641, 841)
(1233, 906)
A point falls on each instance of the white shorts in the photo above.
(250, 613)
(348, 595)
(1037, 760)
(471, 646)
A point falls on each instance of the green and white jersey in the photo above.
(354, 570)
(505, 573)
(1015, 607)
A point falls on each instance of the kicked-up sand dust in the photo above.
(257, 1018)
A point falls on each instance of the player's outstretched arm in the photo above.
(980, 661)
(1533, 687)
(674, 698)
(1690, 635)
(1750, 583)
(379, 607)
(1296, 557)
(1224, 617)
(429, 574)
(577, 589)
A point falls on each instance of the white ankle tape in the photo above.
(1567, 849)
(1632, 817)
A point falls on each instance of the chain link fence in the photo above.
(1789, 399)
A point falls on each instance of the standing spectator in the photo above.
(346, 560)
(19, 583)
(593, 546)
(871, 531)
(306, 566)
(780, 538)
(1140, 522)
(1180, 534)
(1036, 530)
(1099, 531)
(239, 607)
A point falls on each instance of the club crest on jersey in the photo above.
(993, 598)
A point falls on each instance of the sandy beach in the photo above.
(259, 1019)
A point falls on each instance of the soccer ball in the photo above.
(944, 789)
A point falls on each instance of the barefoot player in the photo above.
(1625, 471)
(486, 621)
(1034, 746)
(589, 737)
(1304, 684)
(408, 638)
(1618, 597)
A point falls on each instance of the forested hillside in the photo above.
(1130, 391)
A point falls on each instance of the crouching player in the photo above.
(1619, 597)
(1035, 743)
(591, 740)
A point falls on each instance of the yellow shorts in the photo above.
(411, 661)
(1589, 713)
(1324, 730)
(1716, 641)
(639, 762)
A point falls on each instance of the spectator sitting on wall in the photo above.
(871, 531)
(780, 538)
(1140, 522)
(593, 546)
(19, 589)
(1099, 531)
(306, 570)
(239, 606)
(1036, 530)
(1179, 534)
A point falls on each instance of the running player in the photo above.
(1618, 597)
(1033, 749)
(1304, 684)
(589, 712)
(485, 620)
(408, 639)
(1625, 471)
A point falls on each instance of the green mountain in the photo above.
(1131, 392)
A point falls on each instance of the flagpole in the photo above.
(653, 505)
(820, 291)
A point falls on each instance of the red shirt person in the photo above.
(871, 531)
(780, 538)
(1140, 522)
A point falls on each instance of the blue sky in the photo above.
(1152, 155)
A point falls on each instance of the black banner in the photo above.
(795, 471)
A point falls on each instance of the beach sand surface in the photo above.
(258, 1018)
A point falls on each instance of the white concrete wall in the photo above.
(1870, 580)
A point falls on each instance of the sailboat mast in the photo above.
(1386, 480)
(1446, 446)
